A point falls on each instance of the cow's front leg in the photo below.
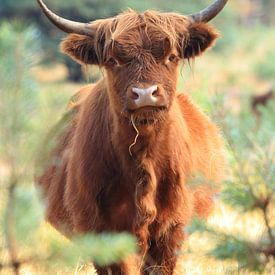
(130, 266)
(162, 254)
(107, 270)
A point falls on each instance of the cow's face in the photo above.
(141, 54)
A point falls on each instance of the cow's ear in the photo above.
(200, 37)
(80, 48)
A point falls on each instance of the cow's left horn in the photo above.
(208, 13)
(67, 25)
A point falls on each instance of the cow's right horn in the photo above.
(67, 25)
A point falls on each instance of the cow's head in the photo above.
(140, 52)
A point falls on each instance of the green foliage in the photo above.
(185, 7)
(260, 42)
(238, 195)
(232, 247)
(102, 249)
(229, 247)
(19, 50)
(265, 68)
(86, 9)
(28, 214)
(249, 188)
(253, 155)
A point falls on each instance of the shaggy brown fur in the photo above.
(96, 185)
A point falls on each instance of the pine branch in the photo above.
(269, 230)
(9, 223)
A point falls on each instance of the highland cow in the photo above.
(132, 141)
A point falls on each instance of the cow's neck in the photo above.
(137, 141)
(138, 165)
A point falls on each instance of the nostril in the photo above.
(135, 95)
(155, 92)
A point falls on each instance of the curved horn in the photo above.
(208, 13)
(67, 25)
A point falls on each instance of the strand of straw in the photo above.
(135, 141)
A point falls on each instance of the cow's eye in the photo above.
(111, 62)
(173, 58)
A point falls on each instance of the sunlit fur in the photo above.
(96, 184)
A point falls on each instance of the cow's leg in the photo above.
(162, 255)
(128, 267)
(109, 270)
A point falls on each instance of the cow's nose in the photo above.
(145, 97)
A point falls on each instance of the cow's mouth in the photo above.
(147, 110)
(145, 121)
(148, 115)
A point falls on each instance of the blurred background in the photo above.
(233, 83)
